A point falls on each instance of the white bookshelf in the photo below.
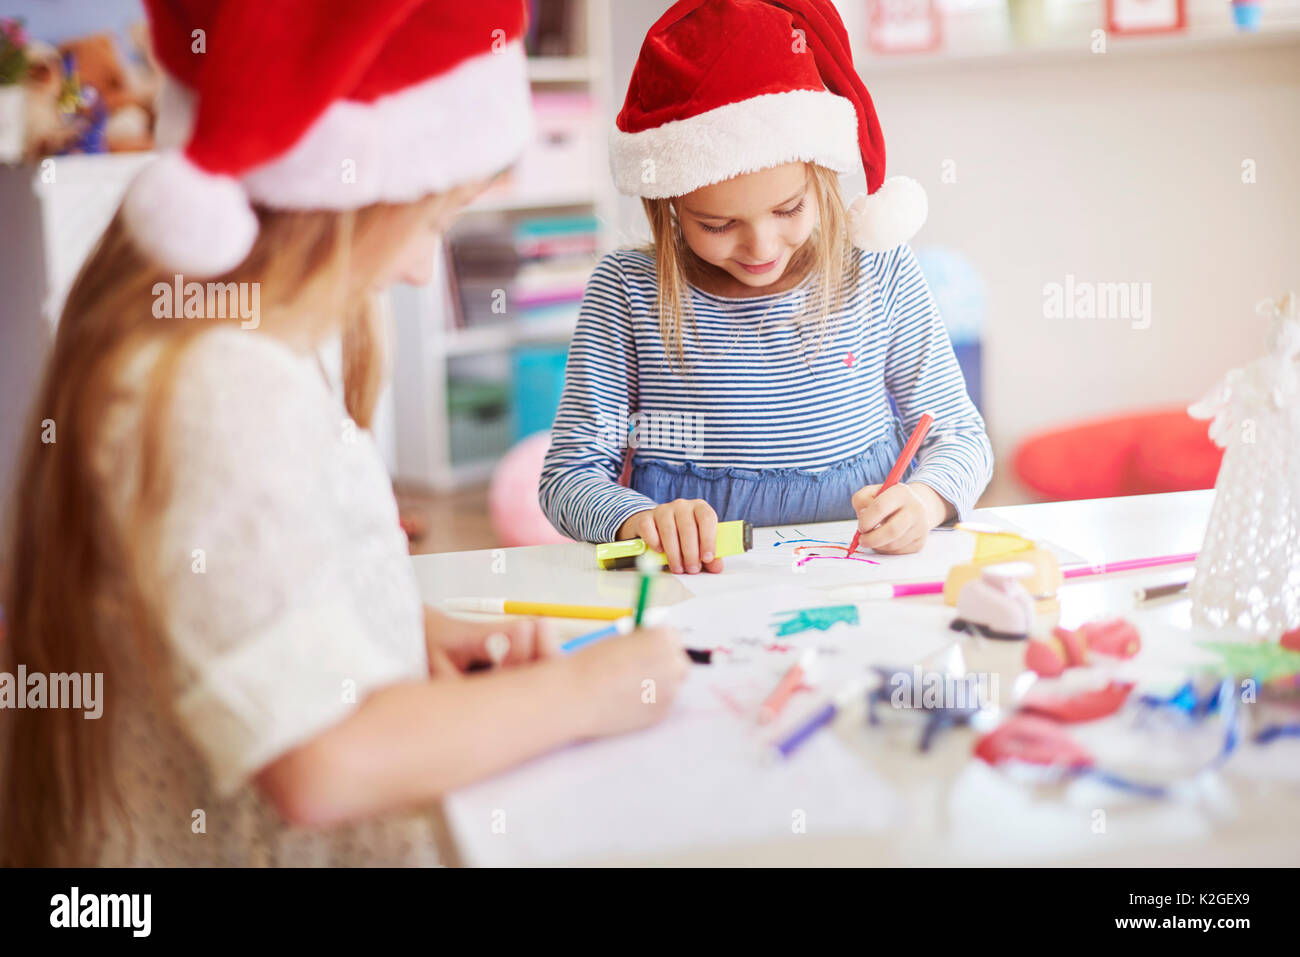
(463, 342)
(426, 340)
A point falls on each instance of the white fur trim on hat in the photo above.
(189, 220)
(467, 124)
(888, 217)
(769, 130)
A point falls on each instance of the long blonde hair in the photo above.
(73, 567)
(827, 254)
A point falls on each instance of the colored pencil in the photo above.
(900, 466)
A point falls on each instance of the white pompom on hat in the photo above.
(188, 220)
(320, 104)
(727, 87)
(893, 214)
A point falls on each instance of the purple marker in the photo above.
(819, 719)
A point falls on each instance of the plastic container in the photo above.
(537, 380)
(1247, 15)
(479, 421)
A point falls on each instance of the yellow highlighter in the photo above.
(508, 606)
(733, 538)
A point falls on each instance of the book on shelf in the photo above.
(524, 271)
(555, 28)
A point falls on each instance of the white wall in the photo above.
(1120, 167)
(1125, 169)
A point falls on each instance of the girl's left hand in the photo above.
(897, 521)
(455, 644)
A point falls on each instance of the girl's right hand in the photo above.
(628, 682)
(685, 530)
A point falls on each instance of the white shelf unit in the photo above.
(52, 212)
(980, 34)
(1074, 46)
(78, 196)
(426, 340)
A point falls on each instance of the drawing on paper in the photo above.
(814, 619)
(808, 550)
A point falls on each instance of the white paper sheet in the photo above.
(704, 776)
(761, 635)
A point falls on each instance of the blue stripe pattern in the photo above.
(765, 388)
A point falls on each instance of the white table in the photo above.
(1252, 823)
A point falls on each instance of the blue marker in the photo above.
(621, 626)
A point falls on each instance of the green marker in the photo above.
(648, 565)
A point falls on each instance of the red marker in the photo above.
(786, 687)
(904, 460)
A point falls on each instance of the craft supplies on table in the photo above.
(697, 788)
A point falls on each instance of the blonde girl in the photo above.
(767, 355)
(212, 529)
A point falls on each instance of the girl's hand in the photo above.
(628, 682)
(455, 644)
(898, 521)
(685, 530)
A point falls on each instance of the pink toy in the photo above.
(1074, 646)
(1291, 640)
(1082, 706)
(517, 518)
(1045, 658)
(1036, 740)
(1068, 649)
(996, 605)
(1117, 638)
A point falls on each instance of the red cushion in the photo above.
(1165, 451)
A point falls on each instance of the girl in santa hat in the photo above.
(747, 358)
(202, 517)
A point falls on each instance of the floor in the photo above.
(458, 521)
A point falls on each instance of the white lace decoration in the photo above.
(1248, 571)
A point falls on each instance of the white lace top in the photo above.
(289, 595)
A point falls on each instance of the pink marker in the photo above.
(882, 590)
(1128, 564)
(786, 687)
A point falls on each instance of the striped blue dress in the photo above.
(774, 420)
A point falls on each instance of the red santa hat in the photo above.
(725, 87)
(320, 104)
